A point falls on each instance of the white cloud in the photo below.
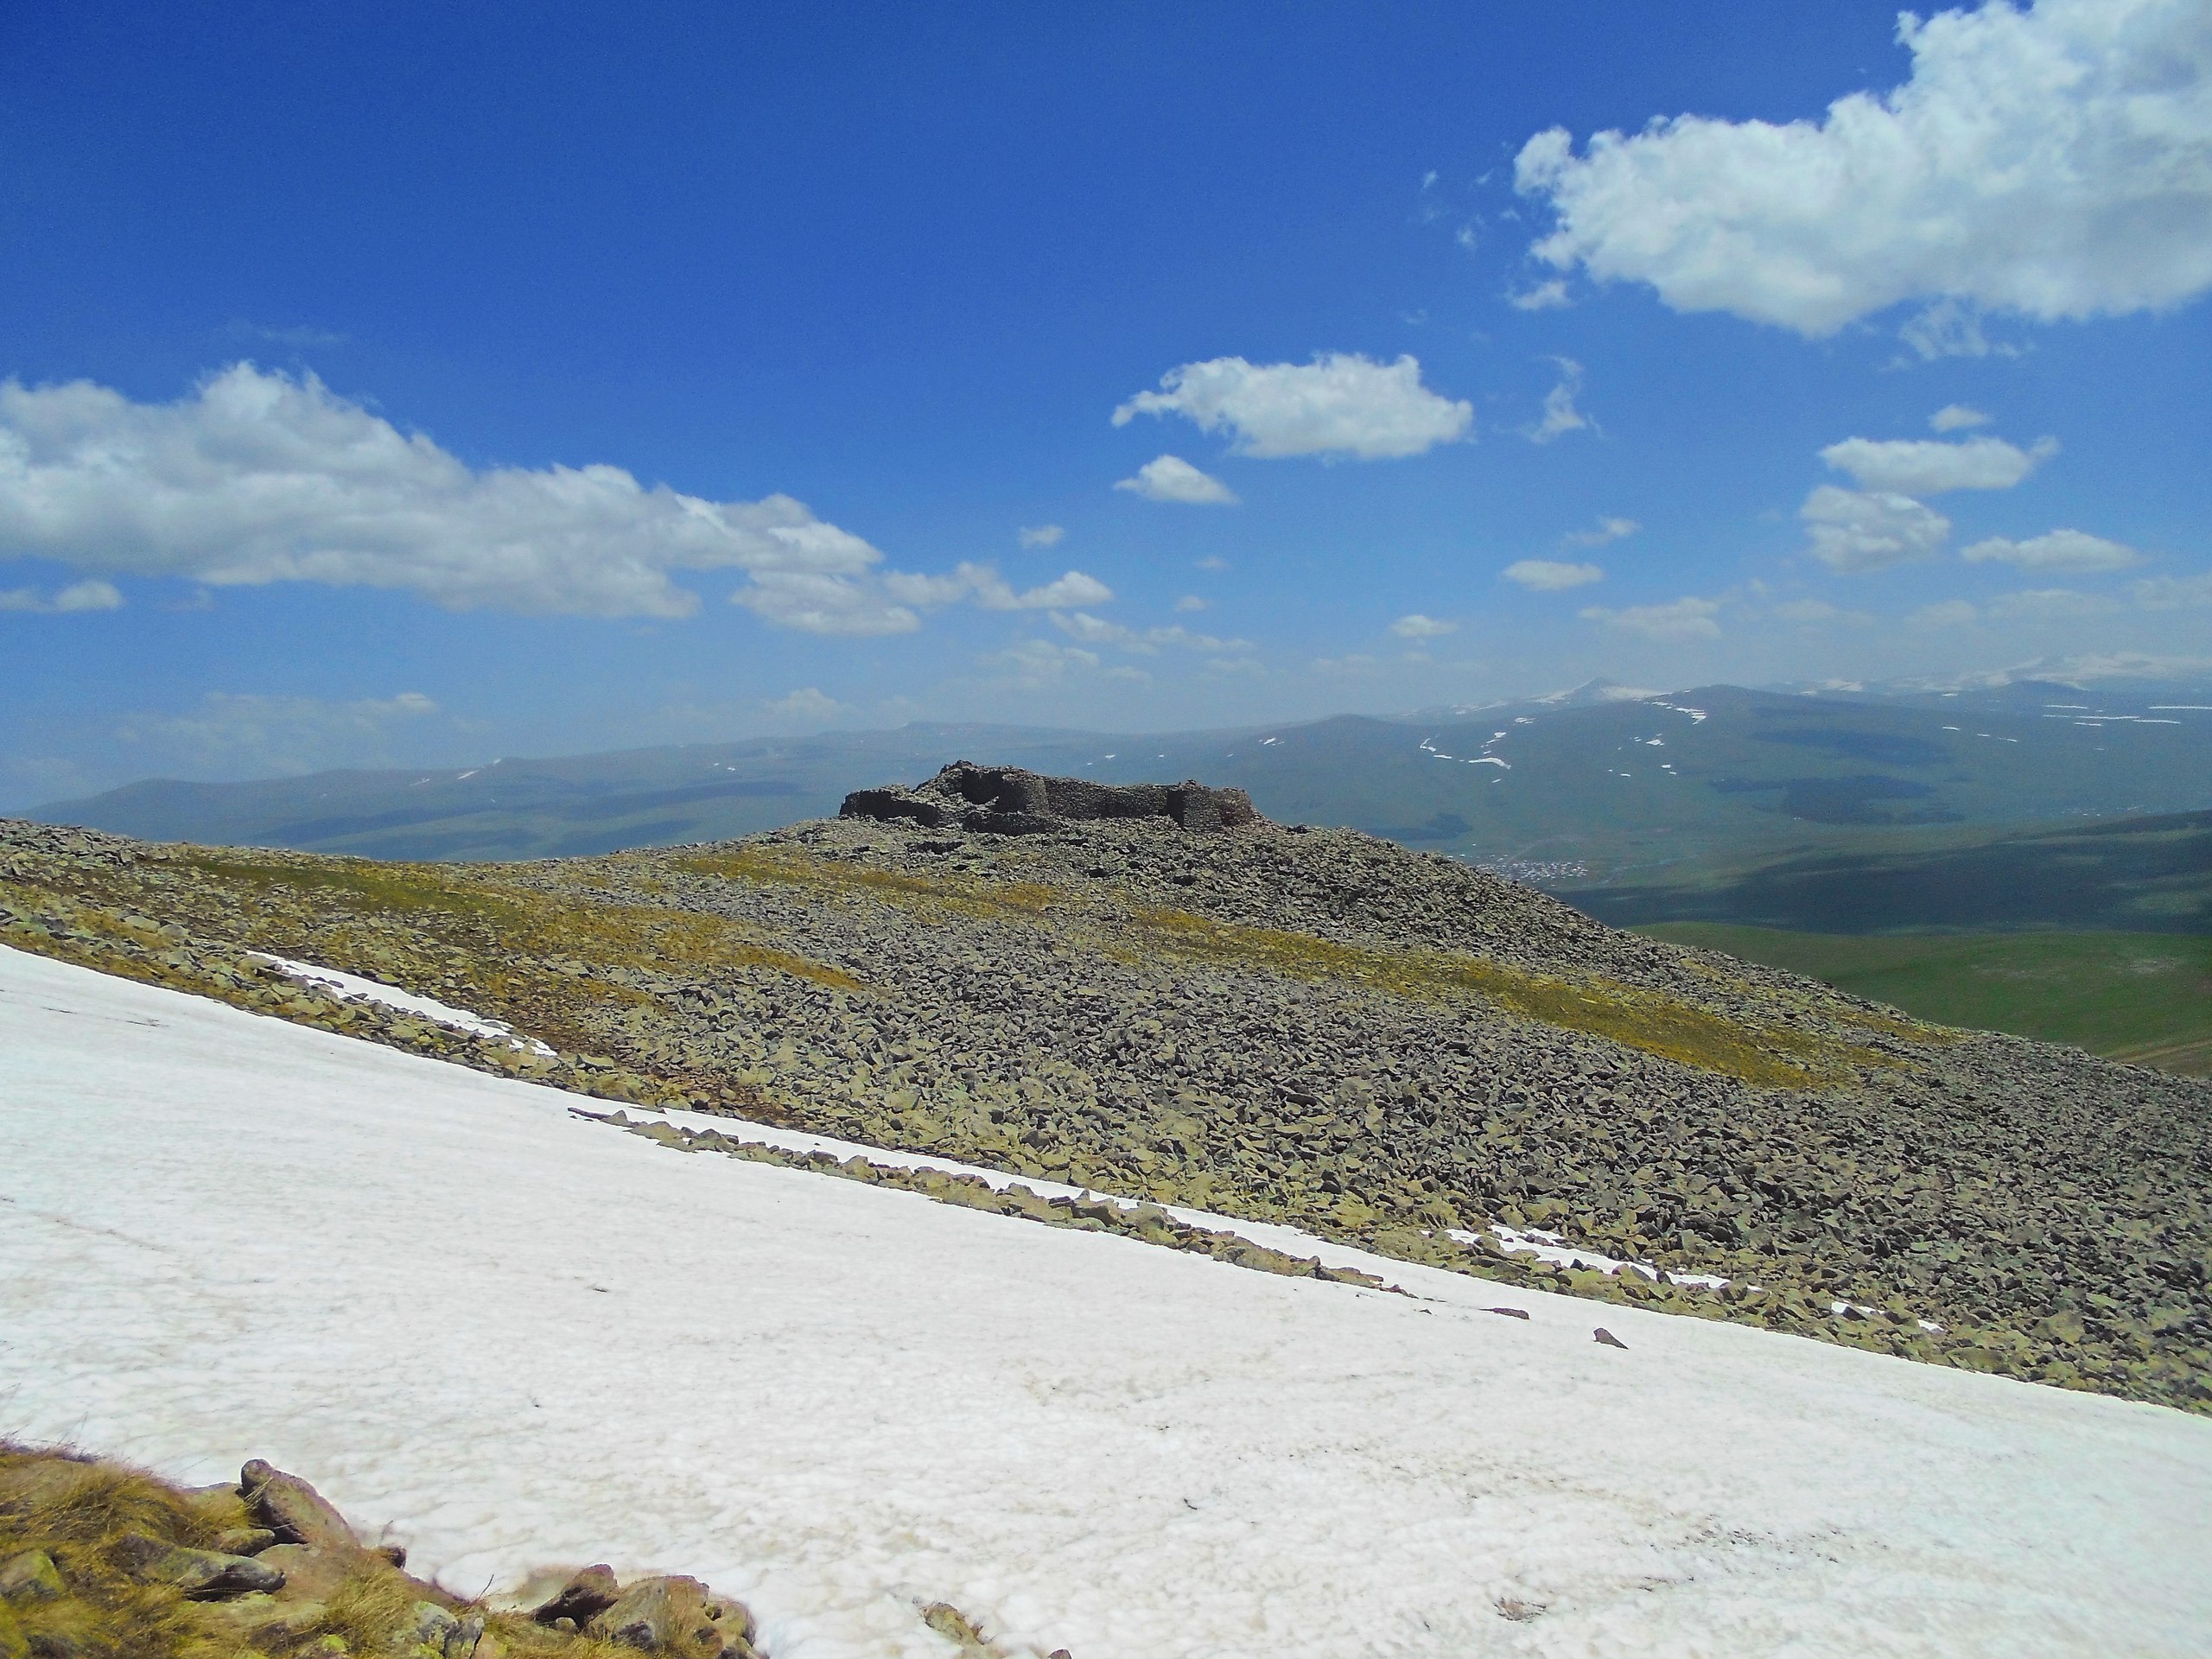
(1184, 639)
(251, 732)
(1561, 416)
(1418, 627)
(2173, 593)
(2051, 605)
(2056, 550)
(1169, 478)
(1856, 532)
(1213, 562)
(1812, 611)
(983, 584)
(1549, 575)
(1192, 602)
(1091, 630)
(1677, 620)
(816, 601)
(1609, 530)
(808, 705)
(1097, 631)
(1341, 404)
(1040, 535)
(78, 596)
(1544, 296)
(262, 478)
(1944, 613)
(1954, 417)
(2055, 162)
(1950, 329)
(1925, 466)
(1037, 663)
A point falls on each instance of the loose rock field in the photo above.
(1298, 1025)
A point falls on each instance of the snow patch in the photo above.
(506, 1337)
(351, 988)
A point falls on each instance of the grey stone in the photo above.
(587, 1595)
(201, 1574)
(30, 1576)
(293, 1509)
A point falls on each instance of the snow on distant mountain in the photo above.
(511, 1336)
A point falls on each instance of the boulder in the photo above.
(264, 1622)
(201, 1574)
(671, 1615)
(292, 1510)
(30, 1576)
(583, 1599)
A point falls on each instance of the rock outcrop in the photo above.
(1010, 801)
(99, 1558)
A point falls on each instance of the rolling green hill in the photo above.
(2145, 998)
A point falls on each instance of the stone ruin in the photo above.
(1011, 801)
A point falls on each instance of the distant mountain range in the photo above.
(1595, 786)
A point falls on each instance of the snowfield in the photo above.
(513, 1338)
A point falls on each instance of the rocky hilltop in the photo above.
(1013, 801)
(1153, 990)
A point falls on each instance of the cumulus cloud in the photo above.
(1561, 416)
(1035, 664)
(252, 732)
(1944, 613)
(1810, 612)
(816, 601)
(1040, 535)
(808, 705)
(1213, 562)
(1925, 466)
(1608, 529)
(78, 596)
(1418, 627)
(1855, 531)
(260, 477)
(2055, 162)
(1549, 575)
(2051, 605)
(1677, 622)
(1957, 417)
(1341, 404)
(1543, 296)
(1097, 631)
(1169, 478)
(983, 584)
(2173, 593)
(1192, 602)
(2056, 550)
(893, 603)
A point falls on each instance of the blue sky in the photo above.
(420, 384)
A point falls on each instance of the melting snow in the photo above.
(352, 988)
(505, 1337)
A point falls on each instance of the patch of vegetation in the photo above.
(957, 891)
(2141, 997)
(83, 1576)
(1764, 1053)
